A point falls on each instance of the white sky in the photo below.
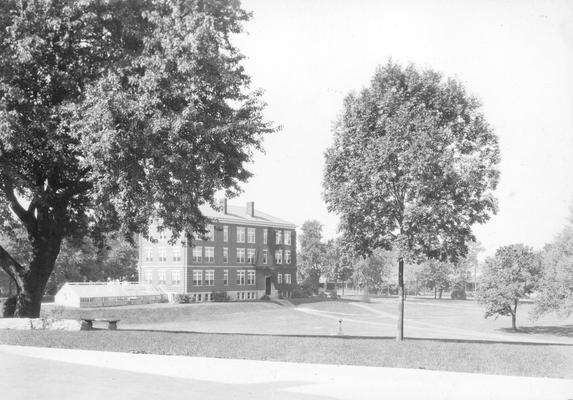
(516, 56)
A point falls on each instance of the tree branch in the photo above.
(11, 267)
(26, 217)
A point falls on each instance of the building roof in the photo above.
(111, 289)
(239, 215)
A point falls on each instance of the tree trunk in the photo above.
(400, 333)
(29, 298)
(440, 293)
(435, 293)
(514, 316)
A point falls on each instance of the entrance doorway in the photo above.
(268, 285)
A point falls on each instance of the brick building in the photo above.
(247, 254)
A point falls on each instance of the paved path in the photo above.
(42, 373)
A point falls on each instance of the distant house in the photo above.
(106, 294)
(247, 254)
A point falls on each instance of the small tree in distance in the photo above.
(510, 275)
(412, 168)
(312, 253)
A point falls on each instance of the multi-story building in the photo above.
(247, 254)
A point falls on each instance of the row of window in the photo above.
(287, 279)
(243, 256)
(162, 277)
(243, 234)
(196, 297)
(207, 277)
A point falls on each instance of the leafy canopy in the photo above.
(116, 112)
(413, 165)
(556, 286)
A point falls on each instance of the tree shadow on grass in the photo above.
(353, 337)
(557, 330)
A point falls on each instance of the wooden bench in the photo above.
(88, 322)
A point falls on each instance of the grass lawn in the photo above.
(478, 357)
(442, 335)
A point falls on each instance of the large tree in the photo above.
(412, 168)
(510, 275)
(114, 113)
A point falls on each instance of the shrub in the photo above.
(265, 297)
(301, 292)
(220, 297)
(459, 293)
(181, 298)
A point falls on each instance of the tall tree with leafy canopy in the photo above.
(312, 253)
(412, 168)
(510, 275)
(114, 113)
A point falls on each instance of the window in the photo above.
(251, 256)
(287, 257)
(278, 237)
(175, 277)
(197, 277)
(240, 277)
(240, 256)
(250, 277)
(240, 234)
(162, 235)
(265, 236)
(148, 256)
(287, 279)
(210, 278)
(278, 257)
(209, 254)
(161, 277)
(287, 235)
(210, 235)
(265, 256)
(162, 254)
(197, 254)
(149, 278)
(280, 278)
(177, 254)
(226, 277)
(199, 297)
(225, 233)
(225, 255)
(251, 235)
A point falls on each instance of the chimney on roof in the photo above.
(223, 204)
(250, 208)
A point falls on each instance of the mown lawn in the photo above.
(462, 356)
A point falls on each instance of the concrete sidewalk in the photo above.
(29, 372)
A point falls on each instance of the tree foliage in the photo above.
(413, 165)
(312, 253)
(437, 275)
(556, 286)
(372, 271)
(510, 275)
(113, 113)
